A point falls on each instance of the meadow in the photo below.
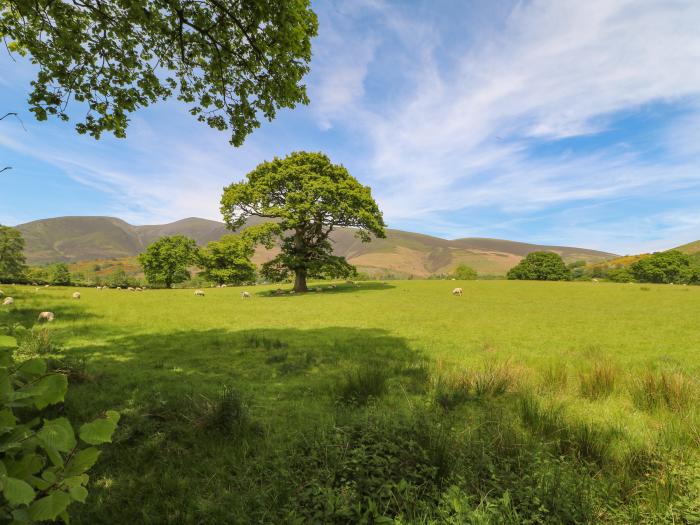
(519, 402)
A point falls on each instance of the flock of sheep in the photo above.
(49, 316)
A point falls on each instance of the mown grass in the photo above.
(516, 403)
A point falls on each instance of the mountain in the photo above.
(71, 239)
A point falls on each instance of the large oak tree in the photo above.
(306, 197)
(230, 61)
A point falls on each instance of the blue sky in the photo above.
(574, 123)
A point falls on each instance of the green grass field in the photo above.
(520, 402)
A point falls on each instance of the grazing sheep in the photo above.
(130, 288)
(223, 286)
(245, 295)
(318, 289)
(76, 295)
(199, 293)
(594, 280)
(9, 301)
(47, 285)
(138, 289)
(457, 291)
(119, 287)
(291, 291)
(45, 316)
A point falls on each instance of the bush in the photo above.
(540, 266)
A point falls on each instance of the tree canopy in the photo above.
(306, 196)
(230, 61)
(11, 254)
(540, 266)
(165, 261)
(61, 275)
(228, 260)
(464, 272)
(672, 266)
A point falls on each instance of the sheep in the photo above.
(594, 280)
(138, 289)
(47, 285)
(223, 286)
(9, 301)
(199, 293)
(119, 287)
(318, 289)
(457, 291)
(76, 295)
(45, 316)
(130, 288)
(245, 295)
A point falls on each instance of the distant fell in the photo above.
(403, 254)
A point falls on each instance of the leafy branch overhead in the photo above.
(230, 61)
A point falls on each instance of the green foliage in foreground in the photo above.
(307, 196)
(231, 62)
(540, 266)
(165, 262)
(42, 464)
(387, 403)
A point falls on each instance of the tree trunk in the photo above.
(300, 280)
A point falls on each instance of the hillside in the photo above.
(691, 247)
(71, 239)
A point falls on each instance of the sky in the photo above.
(545, 121)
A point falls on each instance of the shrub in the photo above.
(598, 382)
(362, 384)
(672, 266)
(464, 272)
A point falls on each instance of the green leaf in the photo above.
(100, 430)
(49, 507)
(82, 461)
(79, 493)
(49, 390)
(7, 341)
(57, 434)
(17, 491)
(8, 421)
(31, 368)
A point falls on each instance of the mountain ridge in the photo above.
(83, 238)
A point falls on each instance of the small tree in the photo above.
(165, 261)
(12, 260)
(672, 266)
(118, 278)
(464, 272)
(307, 196)
(227, 261)
(540, 266)
(61, 275)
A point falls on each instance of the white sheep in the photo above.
(223, 286)
(9, 301)
(76, 295)
(199, 293)
(46, 316)
(130, 288)
(245, 295)
(457, 291)
(138, 289)
(119, 287)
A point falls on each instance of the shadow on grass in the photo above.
(162, 467)
(361, 286)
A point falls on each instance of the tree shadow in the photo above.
(360, 286)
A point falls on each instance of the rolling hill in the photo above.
(71, 239)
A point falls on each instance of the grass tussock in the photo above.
(452, 387)
(672, 390)
(555, 377)
(598, 382)
(363, 384)
(37, 342)
(227, 413)
(494, 379)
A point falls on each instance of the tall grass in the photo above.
(599, 382)
(362, 384)
(673, 390)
